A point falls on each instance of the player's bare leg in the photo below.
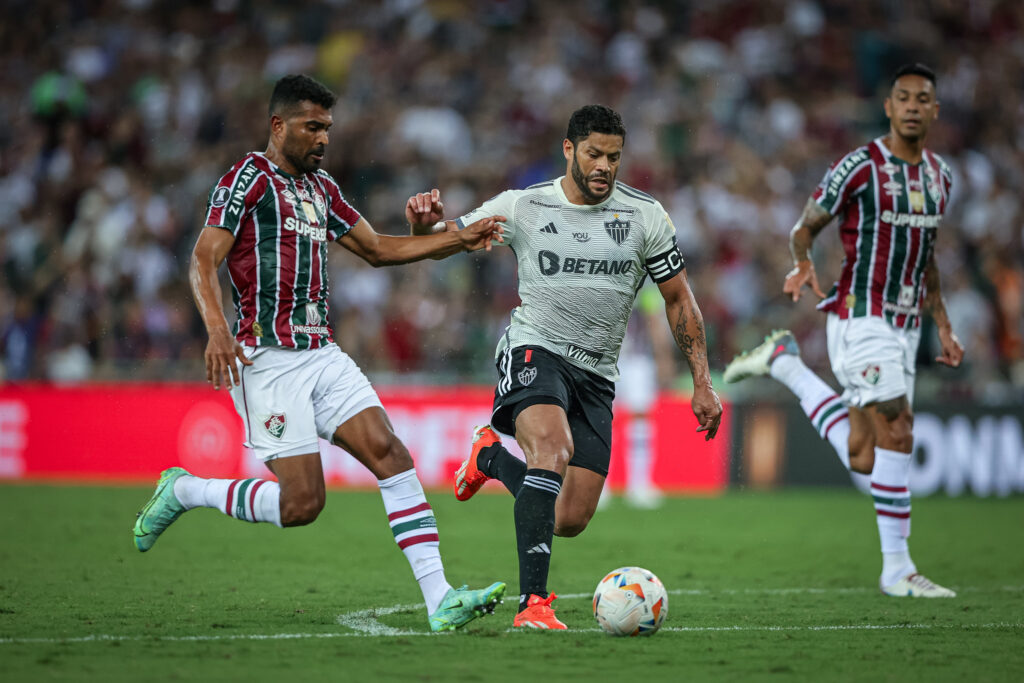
(543, 433)
(893, 424)
(371, 439)
(861, 441)
(577, 501)
(302, 497)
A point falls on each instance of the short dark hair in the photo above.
(915, 69)
(594, 118)
(291, 90)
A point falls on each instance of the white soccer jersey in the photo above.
(580, 267)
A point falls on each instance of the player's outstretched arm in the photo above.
(389, 250)
(801, 238)
(688, 330)
(952, 350)
(211, 249)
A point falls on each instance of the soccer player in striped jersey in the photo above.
(890, 196)
(271, 218)
(585, 243)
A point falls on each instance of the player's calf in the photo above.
(568, 530)
(300, 511)
(861, 443)
(572, 518)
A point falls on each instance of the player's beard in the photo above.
(581, 183)
(915, 136)
(302, 159)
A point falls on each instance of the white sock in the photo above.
(890, 489)
(639, 462)
(251, 500)
(415, 530)
(820, 403)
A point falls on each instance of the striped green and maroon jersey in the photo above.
(278, 263)
(889, 213)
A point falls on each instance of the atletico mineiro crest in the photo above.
(526, 375)
(617, 230)
(275, 425)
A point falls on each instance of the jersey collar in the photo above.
(277, 169)
(889, 156)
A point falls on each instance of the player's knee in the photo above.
(396, 458)
(301, 511)
(900, 435)
(386, 455)
(902, 439)
(550, 456)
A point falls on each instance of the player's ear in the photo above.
(568, 149)
(277, 125)
(887, 105)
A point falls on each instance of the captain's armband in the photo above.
(665, 266)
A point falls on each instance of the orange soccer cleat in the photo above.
(468, 478)
(539, 614)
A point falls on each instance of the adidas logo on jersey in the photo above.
(550, 229)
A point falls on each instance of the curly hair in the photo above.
(594, 118)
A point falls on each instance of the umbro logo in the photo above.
(550, 229)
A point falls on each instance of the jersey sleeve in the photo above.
(234, 196)
(662, 258)
(501, 205)
(341, 217)
(843, 181)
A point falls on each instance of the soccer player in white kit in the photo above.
(584, 244)
(271, 218)
(890, 196)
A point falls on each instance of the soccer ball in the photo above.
(630, 601)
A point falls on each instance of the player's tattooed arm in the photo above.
(688, 332)
(801, 238)
(687, 326)
(952, 350)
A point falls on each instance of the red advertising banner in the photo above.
(131, 432)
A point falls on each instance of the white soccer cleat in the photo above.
(917, 586)
(756, 361)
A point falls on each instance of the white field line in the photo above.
(365, 624)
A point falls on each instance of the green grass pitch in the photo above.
(763, 586)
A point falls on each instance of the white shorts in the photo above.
(872, 360)
(287, 398)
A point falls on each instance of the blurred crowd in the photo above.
(118, 116)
